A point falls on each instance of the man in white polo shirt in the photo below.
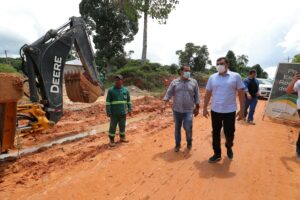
(223, 87)
(294, 86)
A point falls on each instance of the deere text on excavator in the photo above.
(43, 65)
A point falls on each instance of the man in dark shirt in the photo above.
(252, 93)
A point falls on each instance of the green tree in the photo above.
(112, 28)
(195, 56)
(296, 58)
(259, 71)
(242, 59)
(232, 61)
(173, 68)
(265, 75)
(156, 9)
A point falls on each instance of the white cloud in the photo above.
(252, 27)
(265, 31)
(31, 19)
(271, 71)
(292, 40)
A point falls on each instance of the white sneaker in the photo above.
(251, 122)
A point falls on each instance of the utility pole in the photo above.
(5, 52)
(288, 59)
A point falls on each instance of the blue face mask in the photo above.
(187, 74)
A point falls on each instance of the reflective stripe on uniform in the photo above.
(118, 102)
(122, 133)
(112, 134)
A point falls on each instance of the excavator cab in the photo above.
(43, 64)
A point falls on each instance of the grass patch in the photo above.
(6, 68)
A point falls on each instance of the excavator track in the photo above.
(11, 87)
(81, 89)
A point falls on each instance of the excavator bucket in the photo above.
(11, 87)
(80, 89)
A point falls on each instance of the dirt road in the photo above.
(264, 166)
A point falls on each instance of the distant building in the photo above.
(73, 65)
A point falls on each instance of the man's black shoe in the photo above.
(298, 151)
(214, 159)
(229, 153)
(177, 147)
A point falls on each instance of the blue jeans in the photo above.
(187, 120)
(252, 104)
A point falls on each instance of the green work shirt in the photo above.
(117, 100)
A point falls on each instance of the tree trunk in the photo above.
(144, 53)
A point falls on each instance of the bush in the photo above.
(7, 68)
(14, 62)
(149, 76)
(201, 78)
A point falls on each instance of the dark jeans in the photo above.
(251, 105)
(187, 120)
(227, 120)
(298, 142)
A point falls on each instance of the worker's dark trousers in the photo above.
(117, 120)
(298, 142)
(227, 120)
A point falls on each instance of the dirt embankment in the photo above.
(83, 117)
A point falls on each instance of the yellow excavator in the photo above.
(43, 64)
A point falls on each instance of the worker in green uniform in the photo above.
(117, 106)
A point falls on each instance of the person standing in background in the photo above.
(118, 104)
(252, 93)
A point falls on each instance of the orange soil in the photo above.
(264, 165)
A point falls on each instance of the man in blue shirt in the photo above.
(186, 100)
(223, 87)
(252, 88)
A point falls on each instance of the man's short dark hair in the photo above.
(185, 65)
(181, 68)
(252, 71)
(223, 58)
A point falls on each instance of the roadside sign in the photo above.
(281, 105)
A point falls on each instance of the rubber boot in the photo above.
(112, 141)
(123, 139)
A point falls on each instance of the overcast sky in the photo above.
(267, 31)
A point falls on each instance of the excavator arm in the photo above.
(44, 62)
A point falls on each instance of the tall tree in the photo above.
(195, 56)
(156, 9)
(232, 61)
(112, 28)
